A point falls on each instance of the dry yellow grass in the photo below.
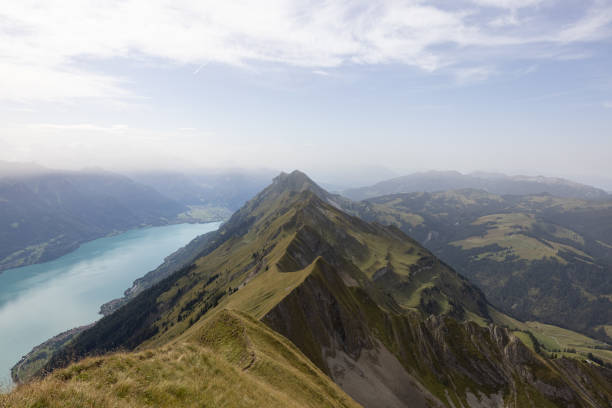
(232, 361)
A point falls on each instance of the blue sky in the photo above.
(347, 90)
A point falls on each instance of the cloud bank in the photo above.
(48, 49)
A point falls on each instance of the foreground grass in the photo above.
(236, 362)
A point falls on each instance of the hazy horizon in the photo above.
(334, 181)
(349, 92)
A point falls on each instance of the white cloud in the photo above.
(43, 44)
(508, 4)
(607, 104)
(75, 145)
(471, 75)
(505, 21)
(594, 26)
(25, 82)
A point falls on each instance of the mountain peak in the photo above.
(294, 181)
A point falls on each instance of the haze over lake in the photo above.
(38, 302)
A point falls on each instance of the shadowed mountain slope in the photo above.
(368, 306)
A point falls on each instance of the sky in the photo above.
(349, 91)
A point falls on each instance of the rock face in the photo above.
(368, 306)
(385, 358)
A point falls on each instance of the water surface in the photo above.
(39, 301)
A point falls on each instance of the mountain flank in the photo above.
(366, 305)
(537, 257)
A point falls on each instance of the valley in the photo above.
(47, 213)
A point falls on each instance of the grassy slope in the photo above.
(232, 360)
(29, 365)
(509, 233)
(255, 266)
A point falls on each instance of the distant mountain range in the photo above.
(293, 293)
(45, 214)
(495, 183)
(228, 189)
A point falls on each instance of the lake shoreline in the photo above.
(5, 264)
(57, 296)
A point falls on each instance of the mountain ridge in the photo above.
(496, 183)
(350, 295)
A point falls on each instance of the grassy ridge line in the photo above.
(233, 361)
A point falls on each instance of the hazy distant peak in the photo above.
(430, 174)
(96, 170)
(440, 173)
(487, 174)
(545, 180)
(18, 169)
(496, 183)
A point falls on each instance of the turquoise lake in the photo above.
(39, 301)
